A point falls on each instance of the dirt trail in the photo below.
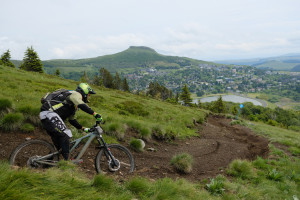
(216, 146)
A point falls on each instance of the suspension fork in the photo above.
(101, 140)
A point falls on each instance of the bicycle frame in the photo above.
(97, 133)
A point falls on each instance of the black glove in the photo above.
(98, 117)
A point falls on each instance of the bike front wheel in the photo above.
(27, 154)
(124, 162)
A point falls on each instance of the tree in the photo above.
(84, 78)
(106, 78)
(5, 59)
(31, 61)
(185, 96)
(117, 82)
(125, 86)
(219, 106)
(57, 72)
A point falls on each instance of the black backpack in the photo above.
(56, 97)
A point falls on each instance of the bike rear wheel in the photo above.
(123, 157)
(25, 154)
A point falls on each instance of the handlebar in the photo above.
(92, 129)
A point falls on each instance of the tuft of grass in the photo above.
(167, 135)
(145, 133)
(138, 185)
(241, 169)
(103, 182)
(11, 121)
(66, 165)
(5, 106)
(27, 128)
(182, 162)
(31, 114)
(115, 129)
(134, 125)
(137, 144)
(260, 163)
(238, 122)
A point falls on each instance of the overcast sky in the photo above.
(201, 29)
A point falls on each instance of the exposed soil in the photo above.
(216, 146)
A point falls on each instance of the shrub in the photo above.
(272, 122)
(240, 168)
(215, 187)
(274, 175)
(5, 106)
(182, 162)
(11, 121)
(137, 144)
(27, 128)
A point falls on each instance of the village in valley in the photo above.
(212, 79)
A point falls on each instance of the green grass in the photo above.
(276, 177)
(136, 144)
(276, 134)
(141, 113)
(182, 162)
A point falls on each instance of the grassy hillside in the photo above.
(275, 177)
(121, 110)
(132, 59)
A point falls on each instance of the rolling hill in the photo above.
(129, 60)
(284, 62)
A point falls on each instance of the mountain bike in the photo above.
(111, 158)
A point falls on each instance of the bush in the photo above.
(240, 168)
(137, 144)
(182, 162)
(11, 121)
(27, 128)
(215, 187)
(272, 122)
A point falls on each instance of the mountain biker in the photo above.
(54, 114)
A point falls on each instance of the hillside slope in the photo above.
(284, 62)
(214, 143)
(129, 60)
